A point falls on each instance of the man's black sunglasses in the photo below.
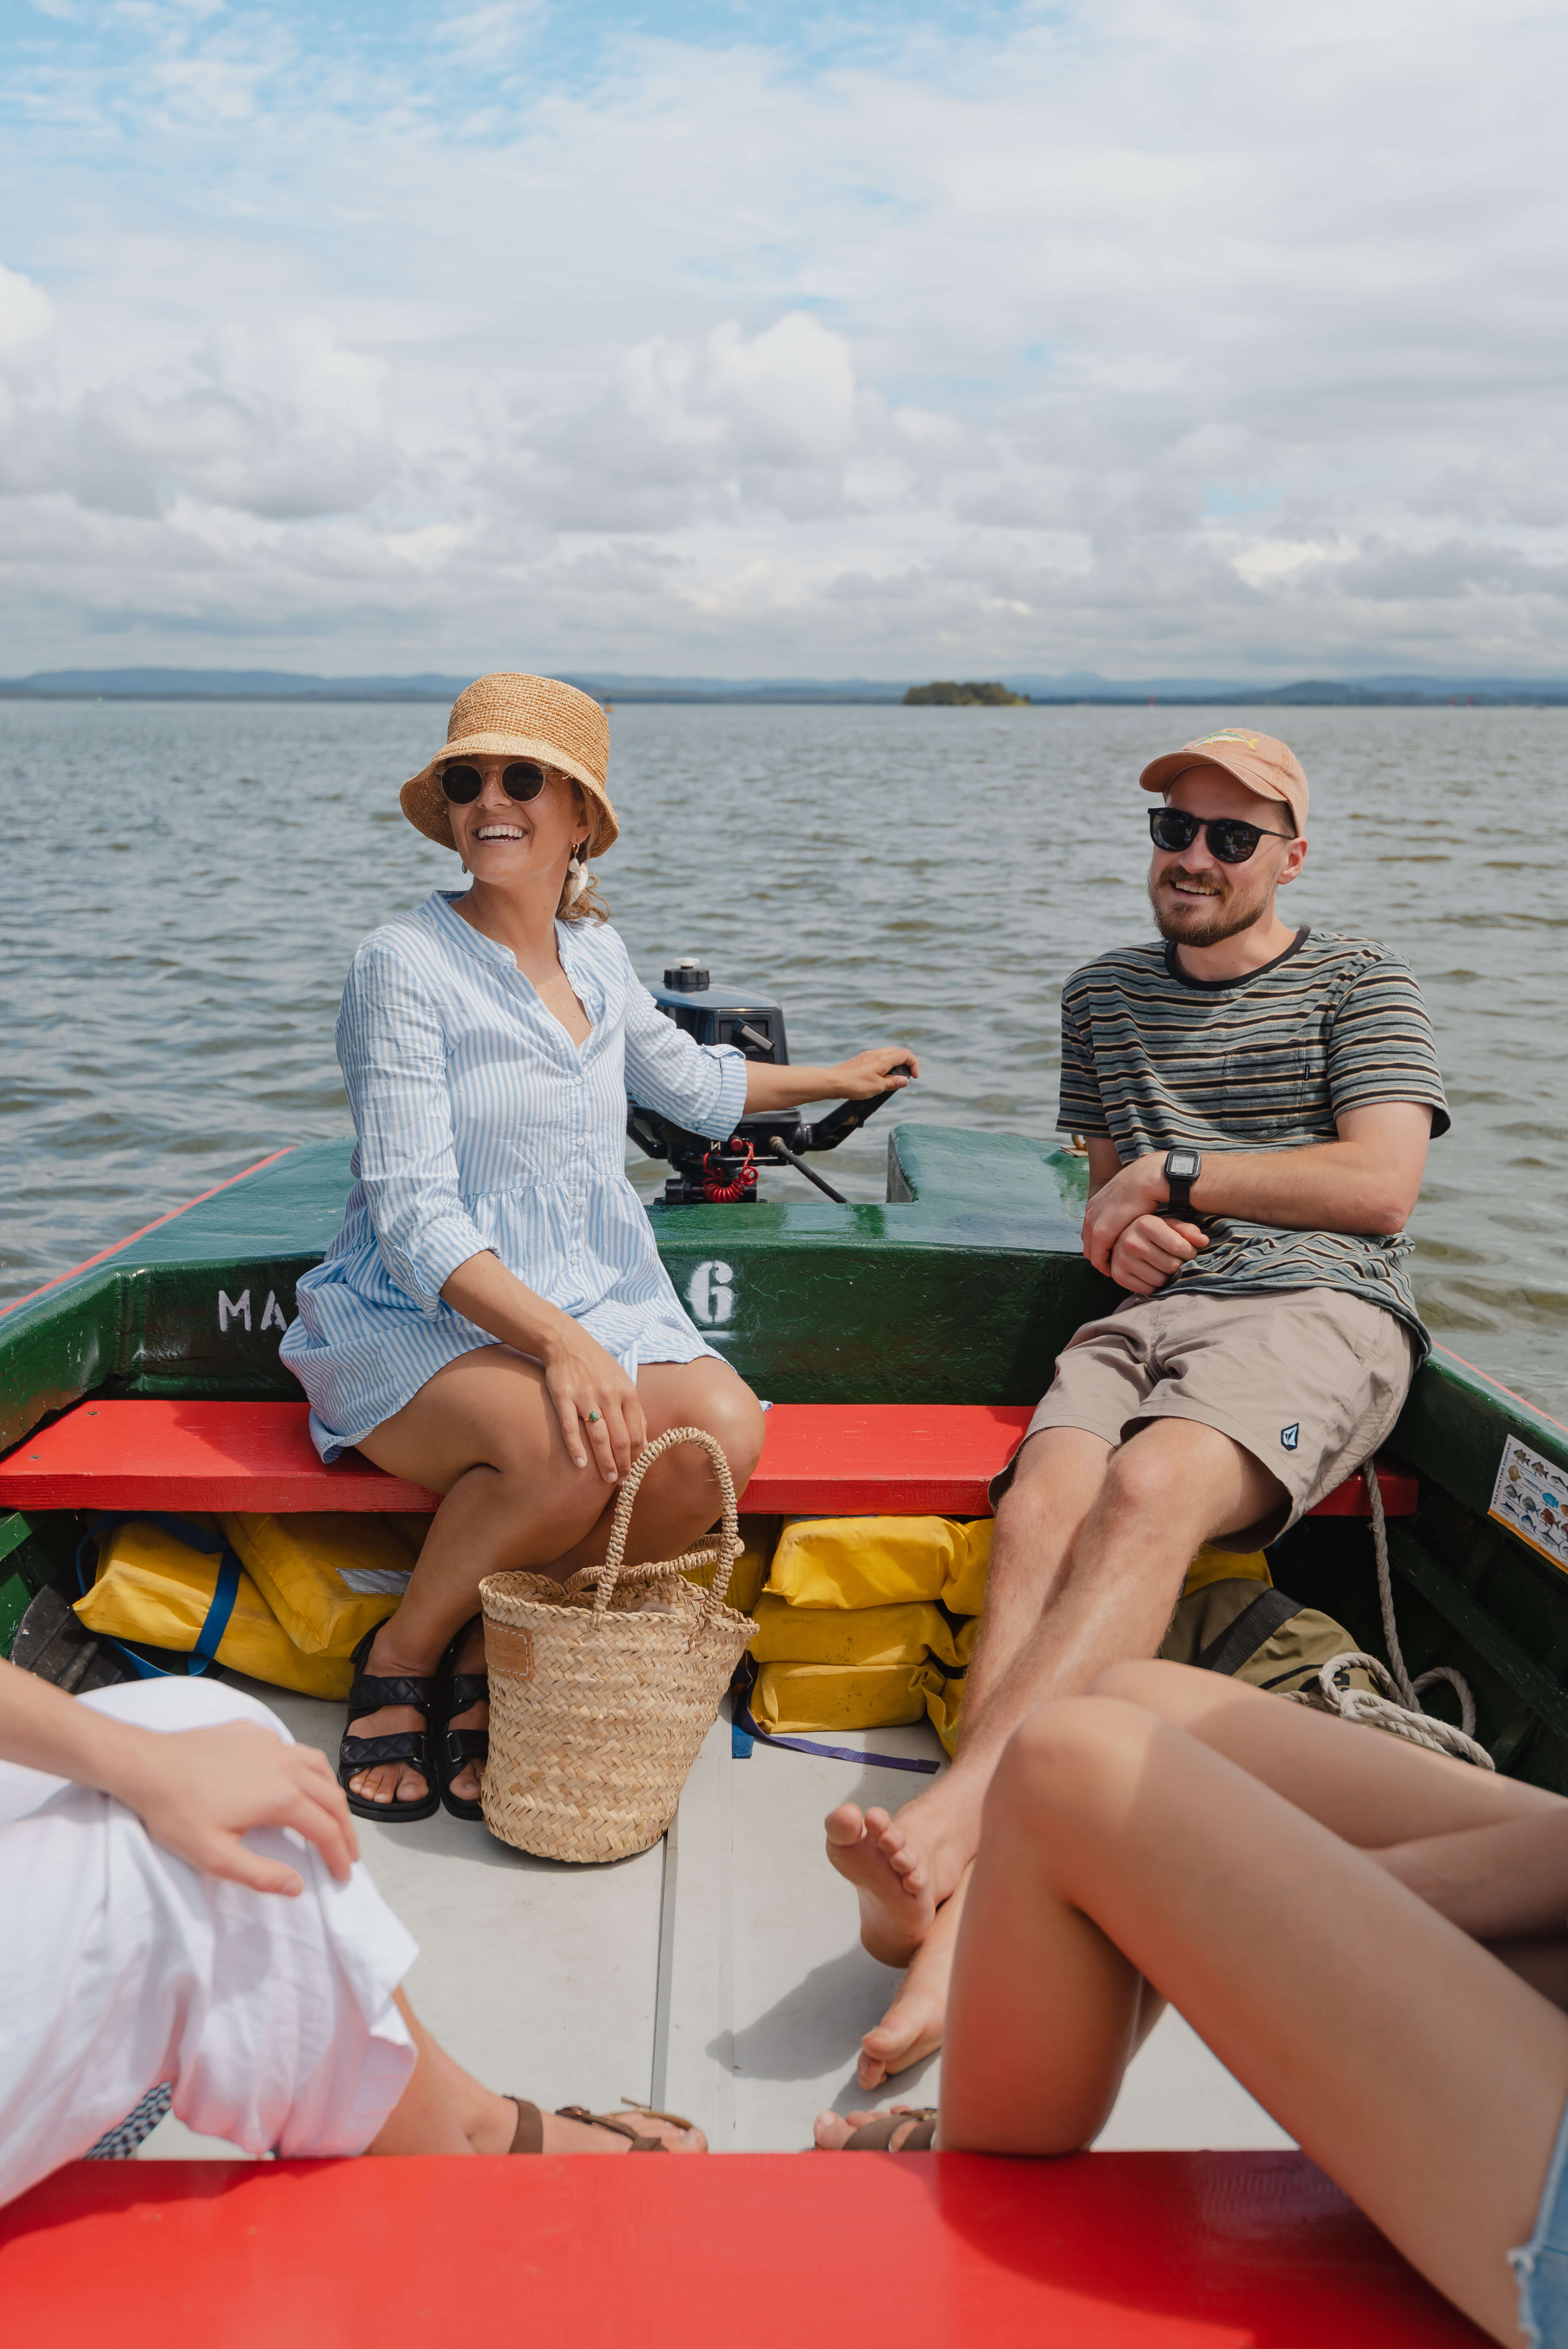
(521, 781)
(1229, 839)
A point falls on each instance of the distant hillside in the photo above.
(964, 697)
(1072, 688)
(286, 685)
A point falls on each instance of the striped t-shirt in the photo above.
(1151, 1057)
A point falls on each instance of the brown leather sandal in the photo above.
(876, 2137)
(530, 2133)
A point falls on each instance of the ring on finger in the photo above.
(593, 1419)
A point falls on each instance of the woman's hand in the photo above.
(198, 1790)
(860, 1079)
(885, 1069)
(597, 1405)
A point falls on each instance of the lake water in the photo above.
(185, 885)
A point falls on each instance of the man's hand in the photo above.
(1126, 1232)
(1150, 1250)
(1119, 1197)
(198, 1791)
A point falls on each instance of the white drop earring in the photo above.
(577, 873)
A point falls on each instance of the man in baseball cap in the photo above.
(1255, 1099)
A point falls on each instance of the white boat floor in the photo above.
(719, 1975)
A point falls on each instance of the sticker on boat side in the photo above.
(1530, 1498)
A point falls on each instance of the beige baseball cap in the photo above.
(1259, 760)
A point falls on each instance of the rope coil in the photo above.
(1395, 1702)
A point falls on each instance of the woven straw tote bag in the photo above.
(602, 1687)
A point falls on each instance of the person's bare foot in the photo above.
(896, 1908)
(831, 2131)
(912, 2028)
(903, 1866)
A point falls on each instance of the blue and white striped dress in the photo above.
(482, 1125)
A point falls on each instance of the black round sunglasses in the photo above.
(523, 779)
(1229, 839)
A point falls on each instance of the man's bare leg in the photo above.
(912, 2028)
(1055, 1482)
(1116, 1533)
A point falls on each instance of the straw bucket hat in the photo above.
(504, 716)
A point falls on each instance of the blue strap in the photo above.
(220, 1606)
(225, 1593)
(744, 1726)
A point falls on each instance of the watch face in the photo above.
(1183, 1164)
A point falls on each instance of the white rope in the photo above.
(1395, 1702)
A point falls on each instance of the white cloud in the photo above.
(1174, 333)
(26, 322)
(488, 36)
(283, 425)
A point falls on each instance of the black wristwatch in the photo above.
(1183, 1168)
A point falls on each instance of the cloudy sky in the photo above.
(1218, 337)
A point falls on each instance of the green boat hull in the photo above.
(962, 1287)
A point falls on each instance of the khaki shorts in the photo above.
(1308, 1380)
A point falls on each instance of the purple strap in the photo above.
(747, 1727)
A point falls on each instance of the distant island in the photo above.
(964, 697)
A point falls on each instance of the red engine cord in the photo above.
(726, 1193)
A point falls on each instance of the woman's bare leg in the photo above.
(1373, 1789)
(484, 1432)
(1376, 1790)
(1423, 2075)
(444, 2109)
(912, 2026)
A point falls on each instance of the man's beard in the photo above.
(1193, 928)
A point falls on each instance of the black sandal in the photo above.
(370, 1692)
(456, 1748)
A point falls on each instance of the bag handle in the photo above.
(614, 1568)
(220, 1606)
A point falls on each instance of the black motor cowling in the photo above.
(724, 1174)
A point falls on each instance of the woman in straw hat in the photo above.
(493, 1320)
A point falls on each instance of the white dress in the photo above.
(121, 1966)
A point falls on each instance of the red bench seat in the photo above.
(841, 1460)
(1109, 2250)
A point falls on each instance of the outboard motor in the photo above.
(724, 1174)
